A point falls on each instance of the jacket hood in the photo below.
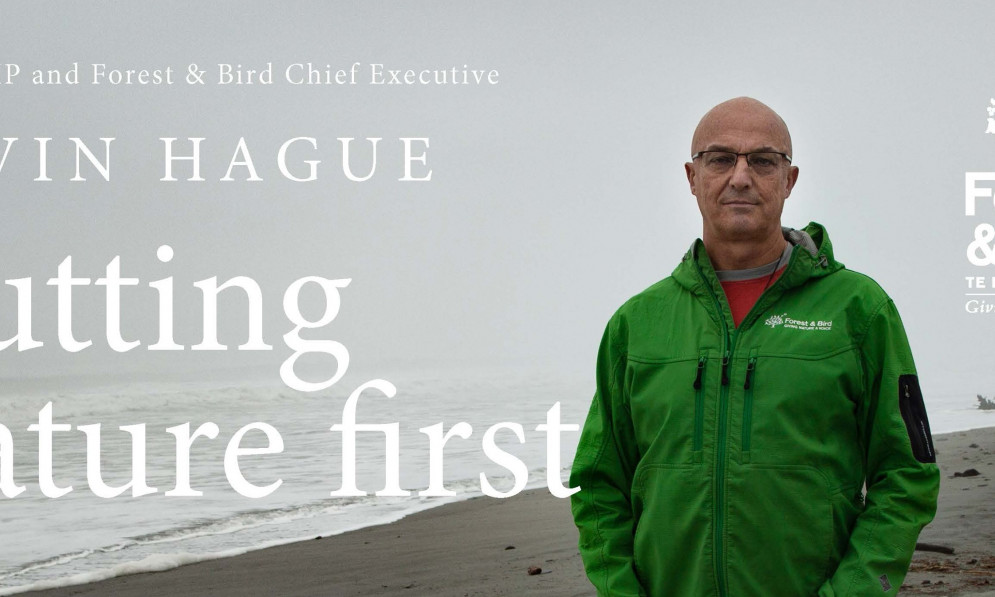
(811, 257)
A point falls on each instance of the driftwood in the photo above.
(935, 548)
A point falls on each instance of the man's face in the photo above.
(740, 204)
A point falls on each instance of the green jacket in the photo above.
(732, 461)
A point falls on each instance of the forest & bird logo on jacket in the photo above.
(798, 324)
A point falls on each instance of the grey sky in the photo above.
(555, 195)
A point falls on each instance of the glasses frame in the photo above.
(737, 154)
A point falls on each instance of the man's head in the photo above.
(740, 201)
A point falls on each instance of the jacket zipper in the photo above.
(699, 409)
(720, 448)
(728, 348)
(720, 467)
(748, 405)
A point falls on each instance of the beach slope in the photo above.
(485, 547)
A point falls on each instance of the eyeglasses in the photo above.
(761, 162)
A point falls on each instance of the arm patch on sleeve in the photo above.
(914, 414)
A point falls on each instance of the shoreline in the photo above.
(485, 546)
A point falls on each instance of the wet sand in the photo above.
(485, 547)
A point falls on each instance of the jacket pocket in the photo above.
(668, 402)
(848, 503)
(748, 385)
(779, 535)
(671, 507)
(914, 414)
(699, 408)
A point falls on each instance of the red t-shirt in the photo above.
(743, 294)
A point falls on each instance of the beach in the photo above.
(965, 520)
(486, 546)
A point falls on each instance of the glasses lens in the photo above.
(763, 163)
(719, 160)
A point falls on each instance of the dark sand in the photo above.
(965, 521)
(463, 549)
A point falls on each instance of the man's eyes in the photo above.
(722, 159)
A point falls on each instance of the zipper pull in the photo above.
(749, 372)
(907, 395)
(725, 369)
(701, 369)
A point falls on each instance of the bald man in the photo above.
(758, 427)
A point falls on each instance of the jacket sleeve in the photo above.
(603, 469)
(902, 480)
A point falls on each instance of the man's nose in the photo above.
(741, 176)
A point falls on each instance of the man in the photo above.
(758, 428)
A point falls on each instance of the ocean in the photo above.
(80, 537)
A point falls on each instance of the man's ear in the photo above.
(689, 170)
(792, 179)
